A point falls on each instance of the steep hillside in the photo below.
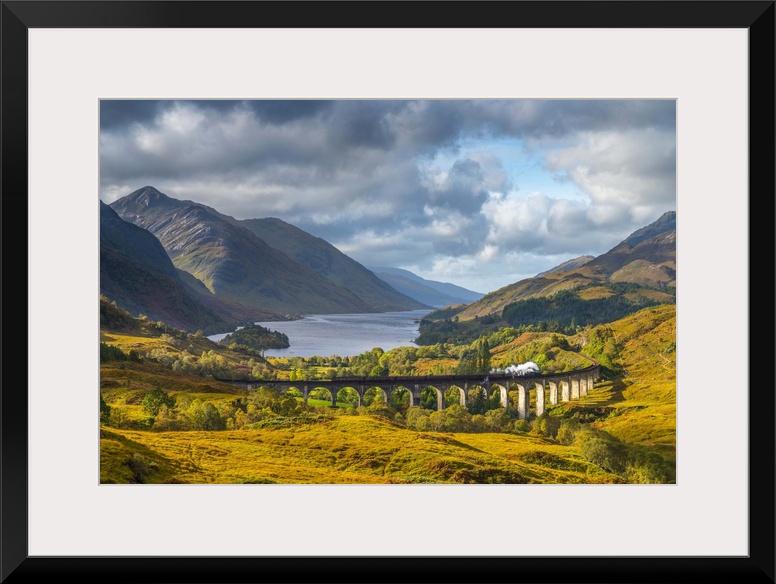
(647, 258)
(430, 292)
(172, 352)
(568, 265)
(231, 260)
(137, 274)
(331, 263)
(641, 400)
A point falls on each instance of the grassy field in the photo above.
(641, 403)
(343, 449)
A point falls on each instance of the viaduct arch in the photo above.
(550, 388)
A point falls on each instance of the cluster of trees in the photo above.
(564, 312)
(182, 412)
(602, 345)
(633, 463)
(475, 359)
(114, 318)
(111, 353)
(257, 337)
(457, 418)
(374, 363)
(567, 312)
(450, 331)
(208, 364)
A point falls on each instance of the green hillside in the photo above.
(167, 419)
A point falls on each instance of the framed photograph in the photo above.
(488, 145)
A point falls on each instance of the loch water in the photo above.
(344, 334)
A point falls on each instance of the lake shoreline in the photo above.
(346, 334)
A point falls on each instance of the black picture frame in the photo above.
(756, 16)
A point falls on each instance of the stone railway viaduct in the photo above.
(562, 387)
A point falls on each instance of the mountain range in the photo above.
(137, 274)
(231, 270)
(646, 258)
(431, 292)
(195, 268)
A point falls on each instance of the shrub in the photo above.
(417, 418)
(546, 425)
(567, 431)
(522, 425)
(651, 468)
(104, 412)
(607, 454)
(141, 467)
(111, 353)
(497, 420)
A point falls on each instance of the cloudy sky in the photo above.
(475, 192)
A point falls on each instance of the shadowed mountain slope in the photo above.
(231, 260)
(137, 274)
(328, 261)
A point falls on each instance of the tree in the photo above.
(457, 419)
(104, 411)
(482, 362)
(111, 353)
(478, 404)
(117, 418)
(155, 399)
(608, 454)
(204, 416)
(417, 418)
(400, 399)
(428, 398)
(165, 420)
(467, 362)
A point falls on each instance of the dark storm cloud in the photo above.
(558, 118)
(118, 113)
(280, 112)
(412, 174)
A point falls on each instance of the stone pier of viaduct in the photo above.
(550, 388)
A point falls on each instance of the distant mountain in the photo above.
(232, 261)
(328, 261)
(137, 274)
(646, 258)
(568, 265)
(666, 223)
(430, 292)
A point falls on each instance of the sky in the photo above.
(479, 193)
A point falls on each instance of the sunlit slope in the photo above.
(345, 449)
(635, 401)
(641, 402)
(646, 258)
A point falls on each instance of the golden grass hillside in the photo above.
(630, 415)
(640, 403)
(342, 449)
